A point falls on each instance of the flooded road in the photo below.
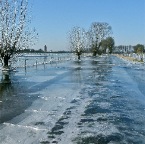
(98, 100)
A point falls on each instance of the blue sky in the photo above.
(53, 19)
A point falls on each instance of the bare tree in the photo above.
(14, 31)
(77, 40)
(98, 32)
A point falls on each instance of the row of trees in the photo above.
(15, 33)
(97, 39)
(139, 48)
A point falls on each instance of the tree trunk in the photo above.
(94, 53)
(6, 61)
(79, 57)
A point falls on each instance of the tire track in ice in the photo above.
(66, 128)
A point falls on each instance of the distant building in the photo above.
(45, 48)
(124, 49)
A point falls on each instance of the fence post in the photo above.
(25, 63)
(36, 63)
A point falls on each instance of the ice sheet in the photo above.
(94, 100)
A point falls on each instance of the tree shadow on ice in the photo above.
(14, 97)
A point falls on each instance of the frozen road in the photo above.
(94, 101)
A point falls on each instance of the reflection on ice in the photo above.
(45, 98)
(37, 111)
(27, 127)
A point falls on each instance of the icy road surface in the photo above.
(94, 101)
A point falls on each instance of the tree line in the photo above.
(97, 39)
(139, 48)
